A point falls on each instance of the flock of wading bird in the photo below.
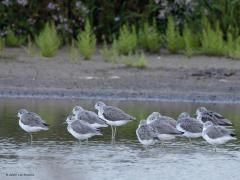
(84, 124)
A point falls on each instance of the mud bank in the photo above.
(167, 78)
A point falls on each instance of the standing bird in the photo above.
(204, 115)
(80, 129)
(88, 116)
(31, 122)
(113, 116)
(145, 135)
(161, 118)
(190, 127)
(216, 135)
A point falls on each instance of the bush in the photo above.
(233, 47)
(190, 40)
(29, 48)
(2, 43)
(73, 52)
(127, 41)
(212, 39)
(175, 41)
(86, 41)
(109, 53)
(48, 40)
(14, 40)
(141, 61)
(149, 38)
(138, 61)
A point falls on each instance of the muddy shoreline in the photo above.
(167, 78)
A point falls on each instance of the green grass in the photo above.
(127, 40)
(2, 44)
(13, 40)
(189, 40)
(138, 61)
(141, 61)
(30, 47)
(174, 40)
(86, 41)
(48, 40)
(149, 38)
(73, 52)
(233, 47)
(212, 41)
(109, 53)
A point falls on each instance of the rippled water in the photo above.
(55, 154)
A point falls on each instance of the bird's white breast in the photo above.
(30, 129)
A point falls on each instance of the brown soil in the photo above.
(167, 77)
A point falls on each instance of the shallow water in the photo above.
(55, 154)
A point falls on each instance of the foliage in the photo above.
(14, 40)
(232, 46)
(127, 40)
(141, 61)
(73, 52)
(2, 43)
(188, 40)
(212, 41)
(26, 17)
(48, 40)
(175, 41)
(191, 40)
(86, 41)
(109, 53)
(235, 53)
(22, 19)
(138, 61)
(29, 48)
(149, 38)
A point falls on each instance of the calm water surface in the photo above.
(55, 154)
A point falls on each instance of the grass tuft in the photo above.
(30, 47)
(2, 44)
(109, 53)
(48, 40)
(149, 38)
(127, 41)
(138, 61)
(212, 41)
(175, 41)
(13, 40)
(73, 52)
(86, 41)
(189, 42)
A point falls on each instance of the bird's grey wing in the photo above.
(163, 128)
(217, 115)
(144, 132)
(169, 120)
(95, 118)
(221, 119)
(86, 116)
(39, 118)
(226, 131)
(116, 114)
(208, 117)
(215, 132)
(81, 128)
(216, 118)
(191, 125)
(32, 119)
